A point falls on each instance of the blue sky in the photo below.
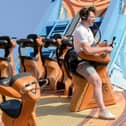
(21, 17)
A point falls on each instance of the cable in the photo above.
(98, 31)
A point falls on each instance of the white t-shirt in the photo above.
(82, 34)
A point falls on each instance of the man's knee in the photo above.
(95, 80)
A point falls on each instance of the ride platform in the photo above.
(53, 108)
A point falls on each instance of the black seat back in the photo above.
(71, 60)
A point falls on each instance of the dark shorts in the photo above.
(85, 69)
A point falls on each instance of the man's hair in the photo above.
(84, 12)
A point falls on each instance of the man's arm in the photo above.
(94, 50)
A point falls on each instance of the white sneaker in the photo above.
(106, 115)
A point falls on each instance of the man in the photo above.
(84, 41)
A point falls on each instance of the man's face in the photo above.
(91, 18)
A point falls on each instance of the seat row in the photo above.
(56, 72)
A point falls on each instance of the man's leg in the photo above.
(89, 72)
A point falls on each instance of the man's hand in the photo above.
(108, 49)
(105, 43)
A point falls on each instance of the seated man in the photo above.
(84, 41)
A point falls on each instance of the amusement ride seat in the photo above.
(61, 53)
(82, 96)
(54, 71)
(33, 62)
(22, 89)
